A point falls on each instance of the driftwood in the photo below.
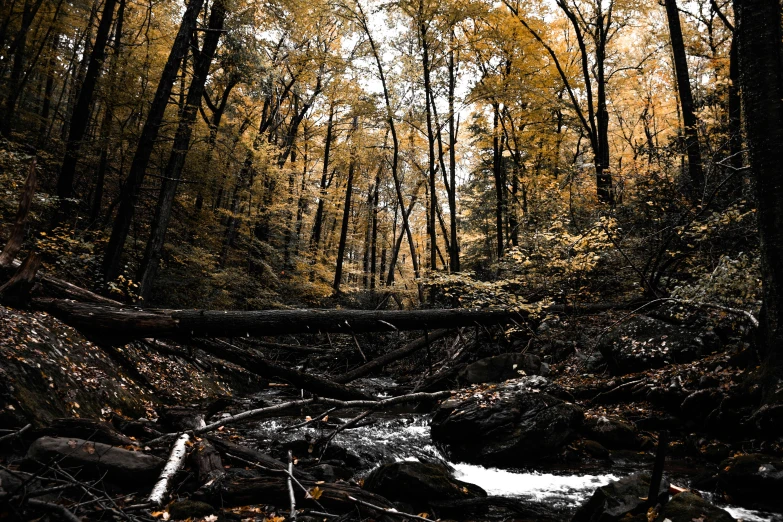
(14, 243)
(128, 323)
(177, 458)
(388, 358)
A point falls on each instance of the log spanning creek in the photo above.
(404, 435)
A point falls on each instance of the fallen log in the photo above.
(388, 358)
(177, 458)
(244, 454)
(130, 323)
(258, 365)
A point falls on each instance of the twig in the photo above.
(312, 419)
(16, 433)
(738, 311)
(175, 462)
(356, 341)
(390, 511)
(345, 426)
(291, 495)
(87, 488)
(56, 508)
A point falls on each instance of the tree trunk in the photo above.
(315, 238)
(121, 325)
(758, 34)
(80, 116)
(168, 189)
(695, 170)
(374, 231)
(454, 254)
(130, 194)
(338, 273)
(500, 184)
(105, 132)
(602, 165)
(18, 48)
(433, 200)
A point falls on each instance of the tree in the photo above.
(81, 112)
(686, 100)
(758, 33)
(171, 175)
(112, 256)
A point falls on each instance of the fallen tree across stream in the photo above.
(123, 324)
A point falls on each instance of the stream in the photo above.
(405, 435)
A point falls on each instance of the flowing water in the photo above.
(406, 436)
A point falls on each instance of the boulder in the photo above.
(611, 432)
(645, 342)
(595, 449)
(507, 425)
(96, 459)
(190, 510)
(754, 481)
(418, 484)
(503, 367)
(620, 499)
(687, 507)
(329, 473)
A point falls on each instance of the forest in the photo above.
(417, 259)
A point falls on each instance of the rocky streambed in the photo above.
(405, 438)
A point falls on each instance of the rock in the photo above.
(645, 342)
(120, 465)
(502, 367)
(715, 451)
(595, 362)
(620, 498)
(595, 449)
(687, 507)
(418, 484)
(508, 425)
(329, 473)
(190, 509)
(754, 481)
(612, 432)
